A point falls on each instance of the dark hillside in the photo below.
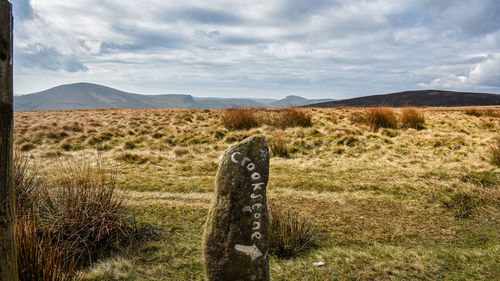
(418, 98)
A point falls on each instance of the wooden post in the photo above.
(8, 257)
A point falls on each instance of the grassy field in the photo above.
(389, 204)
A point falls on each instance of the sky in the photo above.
(258, 48)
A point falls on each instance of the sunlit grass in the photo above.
(394, 203)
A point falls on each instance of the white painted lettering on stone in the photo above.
(233, 157)
(245, 159)
(251, 167)
(256, 235)
(252, 251)
(256, 225)
(253, 196)
(255, 176)
(256, 206)
(257, 216)
(257, 186)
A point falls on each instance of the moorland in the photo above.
(404, 198)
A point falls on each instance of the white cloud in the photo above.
(316, 48)
(485, 74)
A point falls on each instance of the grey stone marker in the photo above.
(236, 234)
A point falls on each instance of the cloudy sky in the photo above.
(258, 48)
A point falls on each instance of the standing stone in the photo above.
(236, 234)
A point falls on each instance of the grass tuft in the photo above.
(462, 205)
(27, 182)
(495, 153)
(291, 233)
(278, 146)
(411, 118)
(293, 117)
(40, 256)
(381, 117)
(479, 112)
(239, 119)
(487, 179)
(473, 112)
(83, 208)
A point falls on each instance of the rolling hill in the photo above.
(88, 96)
(418, 98)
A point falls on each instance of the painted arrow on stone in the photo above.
(252, 251)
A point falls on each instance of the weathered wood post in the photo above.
(8, 258)
(236, 235)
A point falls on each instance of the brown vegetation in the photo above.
(65, 221)
(293, 117)
(381, 117)
(239, 119)
(482, 112)
(411, 118)
(40, 256)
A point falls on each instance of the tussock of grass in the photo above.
(70, 219)
(239, 119)
(27, 147)
(84, 208)
(358, 117)
(488, 179)
(293, 117)
(411, 118)
(495, 152)
(278, 146)
(291, 233)
(462, 204)
(381, 117)
(27, 182)
(473, 112)
(491, 113)
(40, 256)
(482, 112)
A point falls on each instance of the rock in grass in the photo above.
(236, 234)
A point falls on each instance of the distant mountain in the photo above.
(418, 98)
(87, 95)
(296, 101)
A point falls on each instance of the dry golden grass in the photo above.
(495, 152)
(482, 112)
(389, 204)
(278, 146)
